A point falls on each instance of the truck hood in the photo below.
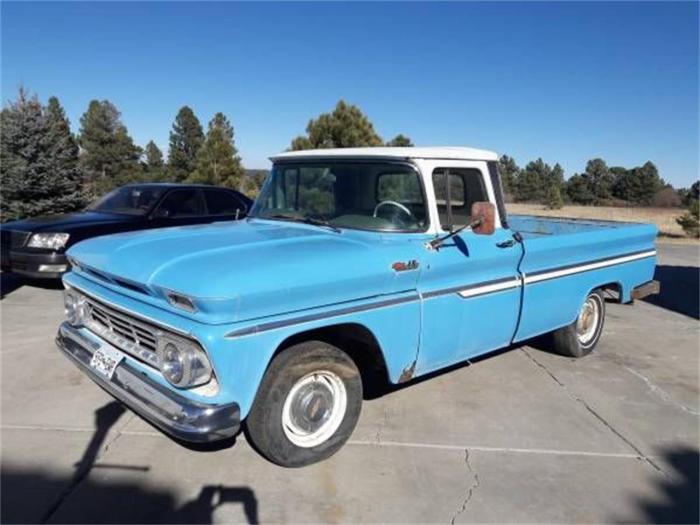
(242, 270)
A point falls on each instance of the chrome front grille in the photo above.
(133, 336)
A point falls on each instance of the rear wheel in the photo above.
(307, 406)
(580, 337)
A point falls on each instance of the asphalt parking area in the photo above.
(521, 436)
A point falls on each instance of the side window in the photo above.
(466, 186)
(180, 204)
(221, 202)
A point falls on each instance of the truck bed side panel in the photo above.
(565, 260)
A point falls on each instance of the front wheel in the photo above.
(580, 338)
(307, 405)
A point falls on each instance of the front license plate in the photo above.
(105, 361)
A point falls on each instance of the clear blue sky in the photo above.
(564, 81)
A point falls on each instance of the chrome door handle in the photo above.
(506, 244)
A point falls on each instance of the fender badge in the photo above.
(405, 266)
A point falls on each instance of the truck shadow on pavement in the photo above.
(679, 289)
(676, 500)
(32, 495)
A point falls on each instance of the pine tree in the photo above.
(690, 221)
(509, 171)
(109, 157)
(39, 170)
(154, 157)
(345, 127)
(553, 199)
(638, 185)
(600, 179)
(186, 138)
(153, 165)
(400, 141)
(533, 181)
(218, 162)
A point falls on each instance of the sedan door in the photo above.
(224, 205)
(181, 207)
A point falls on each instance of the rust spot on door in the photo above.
(407, 373)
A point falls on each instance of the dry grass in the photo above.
(664, 218)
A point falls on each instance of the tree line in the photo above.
(597, 185)
(45, 168)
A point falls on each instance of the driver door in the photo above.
(470, 286)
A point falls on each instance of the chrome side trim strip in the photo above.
(273, 325)
(545, 275)
(515, 282)
(481, 288)
(468, 291)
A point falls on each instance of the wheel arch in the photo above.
(355, 339)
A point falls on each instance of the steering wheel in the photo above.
(393, 203)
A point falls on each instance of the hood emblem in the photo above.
(401, 266)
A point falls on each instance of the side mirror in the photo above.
(486, 211)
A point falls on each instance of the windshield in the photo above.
(367, 196)
(130, 200)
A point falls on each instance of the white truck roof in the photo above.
(442, 152)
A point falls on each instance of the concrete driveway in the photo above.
(521, 436)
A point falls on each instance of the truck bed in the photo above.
(531, 226)
(564, 259)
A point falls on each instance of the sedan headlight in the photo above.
(182, 362)
(51, 241)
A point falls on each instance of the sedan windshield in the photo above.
(366, 196)
(129, 200)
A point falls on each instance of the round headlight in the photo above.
(74, 306)
(182, 362)
(172, 363)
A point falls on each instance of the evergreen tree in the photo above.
(553, 198)
(400, 141)
(154, 166)
(39, 170)
(578, 190)
(533, 181)
(186, 138)
(638, 185)
(218, 162)
(154, 157)
(600, 179)
(690, 222)
(109, 157)
(509, 171)
(345, 127)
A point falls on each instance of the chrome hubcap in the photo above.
(587, 322)
(314, 408)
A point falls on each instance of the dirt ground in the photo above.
(664, 218)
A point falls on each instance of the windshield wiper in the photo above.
(304, 220)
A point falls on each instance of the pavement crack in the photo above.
(94, 451)
(661, 393)
(382, 425)
(470, 492)
(641, 455)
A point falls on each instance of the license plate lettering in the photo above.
(105, 361)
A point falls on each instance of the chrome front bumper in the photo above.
(177, 415)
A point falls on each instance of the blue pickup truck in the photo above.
(354, 266)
